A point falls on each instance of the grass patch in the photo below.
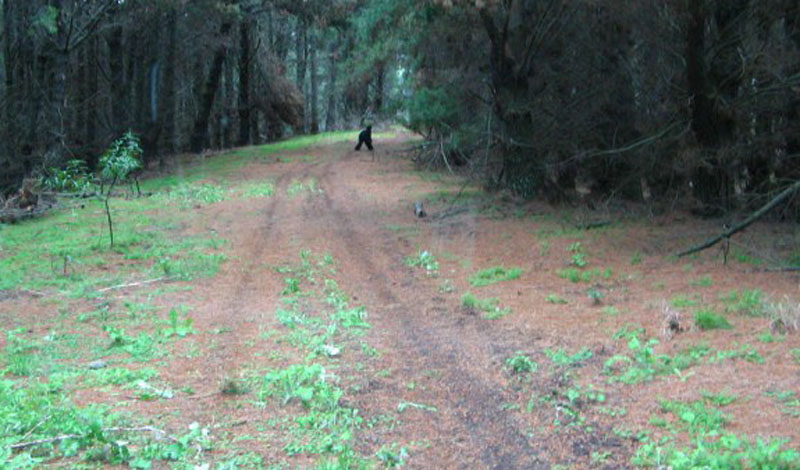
(709, 320)
(747, 302)
(257, 189)
(490, 306)
(492, 275)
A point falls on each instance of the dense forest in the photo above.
(694, 102)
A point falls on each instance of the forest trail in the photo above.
(425, 340)
(438, 383)
(564, 365)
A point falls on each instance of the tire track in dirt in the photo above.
(470, 404)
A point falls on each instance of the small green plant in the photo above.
(73, 178)
(494, 274)
(258, 189)
(683, 301)
(596, 295)
(424, 260)
(490, 305)
(579, 260)
(562, 358)
(117, 164)
(707, 319)
(575, 247)
(555, 299)
(393, 456)
(611, 310)
(636, 258)
(704, 281)
(178, 327)
(520, 363)
(748, 302)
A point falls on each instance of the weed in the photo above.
(712, 446)
(683, 301)
(555, 299)
(704, 281)
(490, 306)
(636, 258)
(189, 195)
(596, 295)
(446, 287)
(494, 274)
(706, 319)
(520, 363)
(258, 189)
(789, 401)
(748, 302)
(392, 456)
(424, 260)
(579, 260)
(796, 355)
(785, 316)
(178, 327)
(561, 358)
(610, 310)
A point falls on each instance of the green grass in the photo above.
(712, 446)
(494, 274)
(490, 306)
(257, 189)
(707, 319)
(555, 299)
(750, 302)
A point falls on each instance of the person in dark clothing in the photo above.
(365, 137)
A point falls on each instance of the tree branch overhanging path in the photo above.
(745, 223)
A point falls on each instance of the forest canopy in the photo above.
(689, 100)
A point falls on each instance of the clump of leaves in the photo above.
(73, 178)
(178, 327)
(520, 363)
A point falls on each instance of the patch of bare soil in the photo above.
(436, 353)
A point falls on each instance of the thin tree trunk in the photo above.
(244, 84)
(200, 131)
(300, 54)
(116, 65)
(314, 118)
(330, 114)
(167, 112)
(92, 102)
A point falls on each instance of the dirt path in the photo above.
(450, 358)
(436, 380)
(433, 353)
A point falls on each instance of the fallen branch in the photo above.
(134, 284)
(744, 224)
(24, 445)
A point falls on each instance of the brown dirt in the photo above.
(436, 352)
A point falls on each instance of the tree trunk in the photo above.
(697, 75)
(380, 72)
(200, 129)
(167, 112)
(330, 114)
(300, 54)
(314, 119)
(92, 102)
(244, 84)
(116, 67)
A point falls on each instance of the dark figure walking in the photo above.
(365, 137)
